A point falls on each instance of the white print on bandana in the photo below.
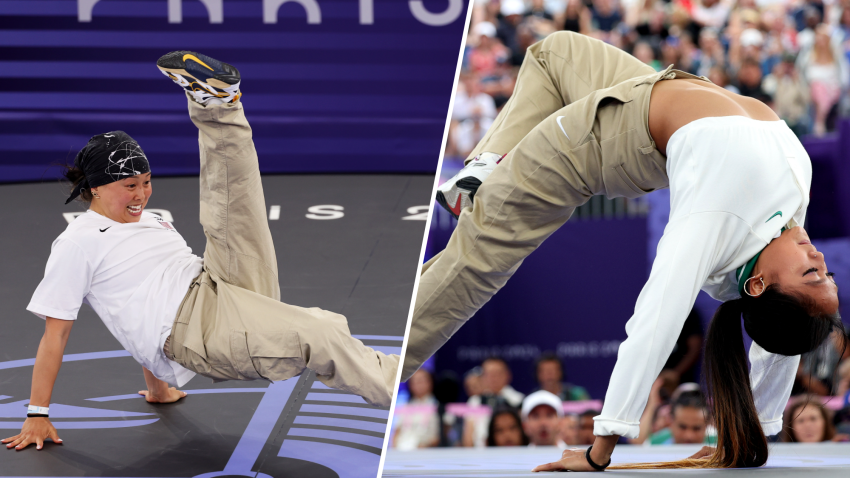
(126, 167)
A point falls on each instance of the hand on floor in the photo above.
(571, 460)
(170, 396)
(704, 453)
(35, 431)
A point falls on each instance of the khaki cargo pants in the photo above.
(231, 324)
(577, 125)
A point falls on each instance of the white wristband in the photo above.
(37, 410)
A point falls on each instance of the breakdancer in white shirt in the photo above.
(179, 314)
(587, 118)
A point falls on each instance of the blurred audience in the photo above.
(681, 366)
(496, 386)
(550, 377)
(505, 429)
(806, 420)
(689, 420)
(541, 419)
(817, 372)
(737, 44)
(568, 433)
(585, 427)
(418, 427)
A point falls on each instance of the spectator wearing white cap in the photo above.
(512, 12)
(489, 52)
(542, 412)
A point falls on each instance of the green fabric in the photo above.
(745, 271)
(661, 437)
(665, 437)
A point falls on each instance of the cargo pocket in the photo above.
(272, 356)
(637, 190)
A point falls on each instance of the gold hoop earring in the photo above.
(748, 292)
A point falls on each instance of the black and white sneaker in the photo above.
(459, 192)
(209, 81)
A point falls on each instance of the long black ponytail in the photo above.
(780, 323)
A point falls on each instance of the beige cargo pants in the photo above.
(577, 125)
(231, 324)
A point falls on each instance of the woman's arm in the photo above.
(48, 360)
(159, 391)
(689, 250)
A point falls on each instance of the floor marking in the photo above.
(274, 213)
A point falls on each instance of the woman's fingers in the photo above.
(39, 443)
(556, 466)
(54, 435)
(7, 440)
(20, 443)
(704, 452)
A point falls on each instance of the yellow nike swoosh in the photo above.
(193, 57)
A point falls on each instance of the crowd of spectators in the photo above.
(794, 55)
(559, 413)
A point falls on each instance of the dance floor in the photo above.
(346, 243)
(786, 460)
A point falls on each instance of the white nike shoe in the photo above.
(459, 192)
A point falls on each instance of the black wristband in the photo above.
(36, 415)
(594, 465)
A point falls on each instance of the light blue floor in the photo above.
(786, 460)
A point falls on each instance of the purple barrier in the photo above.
(341, 86)
(572, 296)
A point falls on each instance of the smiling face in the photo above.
(793, 263)
(123, 200)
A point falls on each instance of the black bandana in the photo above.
(107, 158)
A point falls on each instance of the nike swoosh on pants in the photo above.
(558, 119)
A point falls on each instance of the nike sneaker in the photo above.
(458, 192)
(209, 81)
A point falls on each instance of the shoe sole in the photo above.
(468, 186)
(175, 62)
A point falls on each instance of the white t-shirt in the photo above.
(133, 275)
(734, 183)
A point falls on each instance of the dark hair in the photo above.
(780, 323)
(589, 413)
(796, 408)
(491, 428)
(548, 357)
(688, 400)
(496, 358)
(76, 176)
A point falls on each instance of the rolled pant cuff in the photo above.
(607, 427)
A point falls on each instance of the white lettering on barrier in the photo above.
(215, 11)
(417, 8)
(270, 8)
(592, 349)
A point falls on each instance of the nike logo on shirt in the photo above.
(104, 229)
(777, 213)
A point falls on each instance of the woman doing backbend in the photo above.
(587, 118)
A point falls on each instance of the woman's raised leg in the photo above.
(239, 248)
(558, 70)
